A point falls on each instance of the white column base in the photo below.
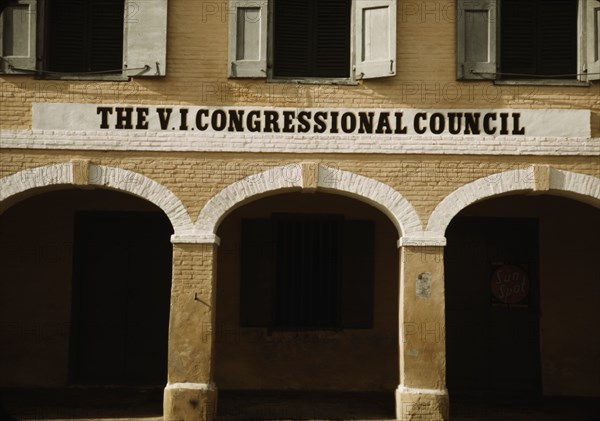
(422, 404)
(190, 402)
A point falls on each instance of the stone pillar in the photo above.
(190, 394)
(422, 393)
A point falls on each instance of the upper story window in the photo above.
(311, 38)
(339, 40)
(79, 39)
(528, 39)
(538, 38)
(85, 35)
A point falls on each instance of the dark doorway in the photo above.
(121, 298)
(492, 306)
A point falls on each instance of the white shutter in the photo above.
(592, 39)
(145, 44)
(375, 38)
(17, 36)
(476, 22)
(248, 38)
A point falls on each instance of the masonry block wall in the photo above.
(426, 76)
(199, 180)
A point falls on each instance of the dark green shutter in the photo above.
(257, 272)
(538, 38)
(106, 35)
(307, 274)
(67, 36)
(311, 38)
(558, 37)
(518, 37)
(358, 275)
(292, 38)
(332, 44)
(85, 35)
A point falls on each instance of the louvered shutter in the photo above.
(145, 46)
(85, 36)
(307, 272)
(358, 275)
(518, 37)
(476, 39)
(293, 34)
(592, 39)
(538, 38)
(375, 38)
(106, 35)
(332, 39)
(18, 36)
(557, 50)
(257, 272)
(248, 38)
(68, 36)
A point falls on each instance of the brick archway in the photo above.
(539, 179)
(309, 176)
(82, 173)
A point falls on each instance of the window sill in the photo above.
(93, 78)
(315, 81)
(542, 82)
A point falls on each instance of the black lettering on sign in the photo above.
(400, 129)
(271, 122)
(303, 119)
(199, 124)
(164, 115)
(417, 125)
(348, 122)
(383, 124)
(334, 124)
(366, 122)
(236, 122)
(516, 128)
(142, 113)
(183, 112)
(104, 111)
(288, 121)
(504, 123)
(487, 127)
(472, 123)
(218, 121)
(437, 123)
(452, 119)
(320, 125)
(253, 121)
(124, 117)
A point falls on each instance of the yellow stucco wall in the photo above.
(197, 74)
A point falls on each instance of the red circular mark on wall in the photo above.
(510, 284)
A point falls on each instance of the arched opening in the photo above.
(307, 309)
(522, 291)
(84, 304)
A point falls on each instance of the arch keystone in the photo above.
(541, 176)
(535, 178)
(81, 171)
(310, 176)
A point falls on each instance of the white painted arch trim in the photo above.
(290, 177)
(563, 183)
(417, 391)
(191, 386)
(62, 174)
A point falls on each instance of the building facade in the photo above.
(380, 195)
